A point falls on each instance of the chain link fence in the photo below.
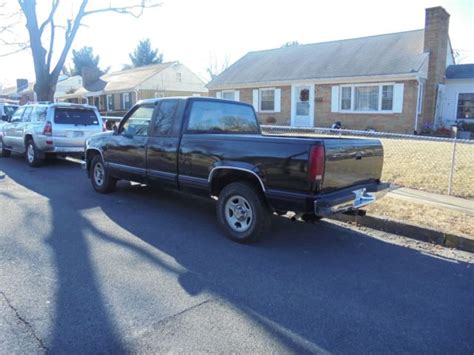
(440, 165)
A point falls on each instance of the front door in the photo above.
(125, 152)
(302, 113)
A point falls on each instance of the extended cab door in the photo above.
(125, 152)
(163, 143)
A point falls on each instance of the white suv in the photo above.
(48, 129)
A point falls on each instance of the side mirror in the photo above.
(115, 130)
(5, 118)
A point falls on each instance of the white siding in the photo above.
(448, 105)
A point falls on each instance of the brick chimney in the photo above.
(89, 75)
(436, 44)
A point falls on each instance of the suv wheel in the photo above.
(5, 152)
(33, 157)
(101, 180)
(242, 212)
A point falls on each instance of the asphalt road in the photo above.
(144, 270)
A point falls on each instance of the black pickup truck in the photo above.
(214, 147)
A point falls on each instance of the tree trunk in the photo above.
(45, 89)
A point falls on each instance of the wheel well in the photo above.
(224, 177)
(90, 154)
(28, 137)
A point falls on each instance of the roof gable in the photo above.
(395, 53)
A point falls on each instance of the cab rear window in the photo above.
(75, 116)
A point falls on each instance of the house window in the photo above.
(126, 101)
(110, 102)
(387, 97)
(465, 105)
(346, 95)
(179, 77)
(267, 100)
(367, 98)
(230, 95)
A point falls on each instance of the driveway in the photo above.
(144, 270)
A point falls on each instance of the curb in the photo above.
(409, 230)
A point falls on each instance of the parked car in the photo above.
(39, 130)
(7, 110)
(214, 147)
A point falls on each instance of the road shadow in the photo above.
(336, 289)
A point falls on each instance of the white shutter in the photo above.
(237, 95)
(335, 99)
(255, 99)
(398, 98)
(277, 100)
(218, 94)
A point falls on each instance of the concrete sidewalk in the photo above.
(438, 200)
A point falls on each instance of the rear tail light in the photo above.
(48, 129)
(316, 164)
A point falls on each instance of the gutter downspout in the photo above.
(417, 104)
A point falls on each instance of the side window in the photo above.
(138, 122)
(164, 118)
(219, 117)
(27, 114)
(38, 114)
(17, 115)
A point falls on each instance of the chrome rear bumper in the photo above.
(349, 199)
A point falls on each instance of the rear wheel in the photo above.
(100, 178)
(242, 212)
(33, 157)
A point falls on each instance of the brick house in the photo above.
(114, 93)
(387, 82)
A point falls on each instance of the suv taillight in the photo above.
(316, 165)
(48, 129)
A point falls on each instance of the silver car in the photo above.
(39, 130)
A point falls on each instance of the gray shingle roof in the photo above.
(460, 71)
(395, 53)
(124, 80)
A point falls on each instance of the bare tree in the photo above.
(47, 72)
(216, 67)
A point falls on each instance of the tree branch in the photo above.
(50, 18)
(51, 45)
(15, 51)
(128, 10)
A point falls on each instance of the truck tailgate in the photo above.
(351, 162)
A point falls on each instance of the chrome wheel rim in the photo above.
(30, 153)
(238, 213)
(99, 173)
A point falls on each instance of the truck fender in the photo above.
(229, 165)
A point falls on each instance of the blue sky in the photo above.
(199, 32)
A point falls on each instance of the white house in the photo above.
(456, 96)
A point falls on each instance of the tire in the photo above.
(101, 180)
(243, 213)
(33, 155)
(5, 152)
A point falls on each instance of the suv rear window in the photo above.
(75, 116)
(221, 117)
